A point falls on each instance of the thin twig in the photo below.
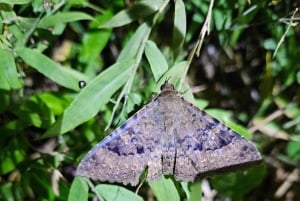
(266, 120)
(288, 182)
(92, 187)
(290, 24)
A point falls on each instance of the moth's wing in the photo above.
(204, 145)
(124, 154)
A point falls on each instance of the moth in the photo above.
(168, 136)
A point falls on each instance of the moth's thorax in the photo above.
(168, 102)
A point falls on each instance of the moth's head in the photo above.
(167, 87)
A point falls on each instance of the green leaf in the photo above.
(95, 40)
(56, 103)
(238, 128)
(39, 109)
(61, 18)
(12, 153)
(156, 60)
(293, 150)
(133, 100)
(116, 193)
(79, 190)
(78, 2)
(102, 87)
(179, 29)
(219, 114)
(15, 2)
(7, 191)
(92, 97)
(201, 103)
(164, 190)
(192, 190)
(40, 184)
(63, 76)
(9, 78)
(133, 46)
(5, 100)
(137, 11)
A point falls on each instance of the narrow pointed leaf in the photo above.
(156, 60)
(179, 30)
(79, 190)
(132, 48)
(117, 193)
(137, 11)
(63, 76)
(65, 17)
(92, 97)
(9, 77)
(165, 190)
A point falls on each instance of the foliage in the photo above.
(245, 62)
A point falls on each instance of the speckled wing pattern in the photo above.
(169, 136)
